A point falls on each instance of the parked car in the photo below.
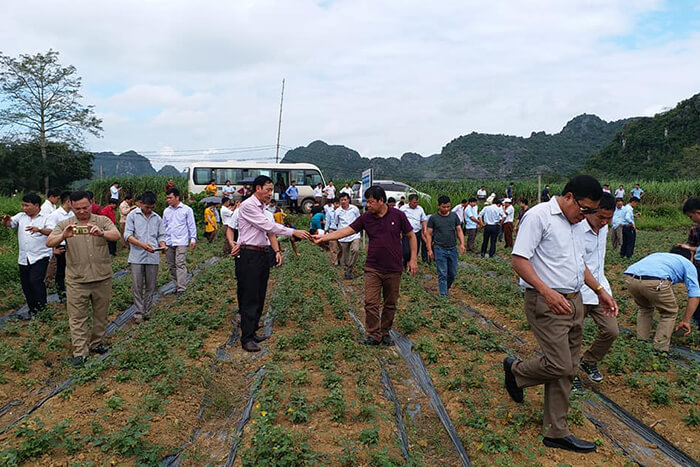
(392, 188)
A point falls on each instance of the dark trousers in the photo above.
(252, 273)
(32, 278)
(508, 234)
(422, 249)
(112, 246)
(61, 272)
(293, 207)
(696, 315)
(490, 234)
(629, 237)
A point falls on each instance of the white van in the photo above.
(240, 174)
(392, 188)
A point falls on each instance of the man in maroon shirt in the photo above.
(384, 264)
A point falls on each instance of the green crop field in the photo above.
(178, 387)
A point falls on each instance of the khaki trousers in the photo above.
(471, 237)
(560, 338)
(648, 295)
(176, 256)
(606, 335)
(335, 250)
(379, 317)
(348, 253)
(79, 297)
(617, 237)
(226, 246)
(144, 278)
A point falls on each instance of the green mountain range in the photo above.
(108, 164)
(474, 156)
(662, 147)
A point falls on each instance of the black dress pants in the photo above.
(61, 273)
(32, 278)
(490, 235)
(629, 237)
(252, 273)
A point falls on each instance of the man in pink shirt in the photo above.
(256, 232)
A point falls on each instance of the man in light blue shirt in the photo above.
(650, 282)
(617, 223)
(145, 233)
(629, 229)
(180, 233)
(637, 192)
(292, 193)
(492, 216)
(471, 223)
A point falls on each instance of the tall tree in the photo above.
(41, 102)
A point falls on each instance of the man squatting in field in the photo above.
(384, 264)
(549, 257)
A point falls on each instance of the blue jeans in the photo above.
(446, 262)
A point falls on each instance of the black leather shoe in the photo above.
(100, 349)
(371, 341)
(514, 391)
(76, 361)
(259, 338)
(251, 347)
(387, 340)
(569, 443)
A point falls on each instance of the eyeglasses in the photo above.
(586, 211)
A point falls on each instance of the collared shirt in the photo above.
(481, 193)
(233, 220)
(87, 256)
(254, 225)
(510, 213)
(96, 209)
(57, 216)
(347, 190)
(330, 217)
(226, 214)
(492, 214)
(330, 192)
(32, 246)
(617, 217)
(114, 192)
(345, 217)
(385, 251)
(416, 216)
(553, 246)
(668, 266)
(180, 228)
(108, 211)
(627, 215)
(469, 212)
(318, 192)
(459, 210)
(594, 257)
(636, 192)
(148, 230)
(47, 208)
(124, 210)
(228, 190)
(619, 193)
(292, 192)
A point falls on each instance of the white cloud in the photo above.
(382, 76)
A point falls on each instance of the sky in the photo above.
(180, 81)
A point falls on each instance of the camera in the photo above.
(81, 230)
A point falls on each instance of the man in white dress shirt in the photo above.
(549, 257)
(57, 265)
(114, 191)
(492, 216)
(53, 196)
(180, 234)
(419, 221)
(595, 231)
(34, 255)
(350, 245)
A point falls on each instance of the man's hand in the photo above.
(685, 325)
(68, 232)
(235, 249)
(317, 239)
(163, 247)
(303, 234)
(431, 255)
(556, 303)
(608, 304)
(462, 249)
(412, 267)
(147, 247)
(95, 231)
(193, 245)
(278, 257)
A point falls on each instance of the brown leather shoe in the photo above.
(259, 338)
(251, 347)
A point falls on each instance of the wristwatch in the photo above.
(599, 288)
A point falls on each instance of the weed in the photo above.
(370, 436)
(693, 417)
(114, 404)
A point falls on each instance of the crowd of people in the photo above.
(558, 251)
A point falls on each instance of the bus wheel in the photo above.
(306, 205)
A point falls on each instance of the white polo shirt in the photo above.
(32, 246)
(416, 216)
(594, 257)
(345, 217)
(226, 214)
(459, 210)
(510, 213)
(554, 247)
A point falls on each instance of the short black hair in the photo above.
(497, 201)
(273, 202)
(90, 195)
(148, 197)
(31, 198)
(584, 186)
(53, 192)
(128, 196)
(261, 181)
(213, 180)
(65, 196)
(464, 200)
(391, 200)
(113, 201)
(443, 199)
(227, 181)
(634, 199)
(225, 200)
(376, 192)
(472, 200)
(138, 198)
(172, 191)
(607, 202)
(684, 252)
(344, 195)
(412, 196)
(691, 205)
(524, 201)
(78, 195)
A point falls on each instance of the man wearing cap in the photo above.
(549, 257)
(508, 221)
(650, 282)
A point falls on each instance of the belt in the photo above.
(254, 248)
(645, 278)
(570, 295)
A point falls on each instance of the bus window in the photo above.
(312, 177)
(252, 173)
(281, 180)
(234, 175)
(297, 176)
(202, 176)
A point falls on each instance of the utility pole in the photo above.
(279, 125)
